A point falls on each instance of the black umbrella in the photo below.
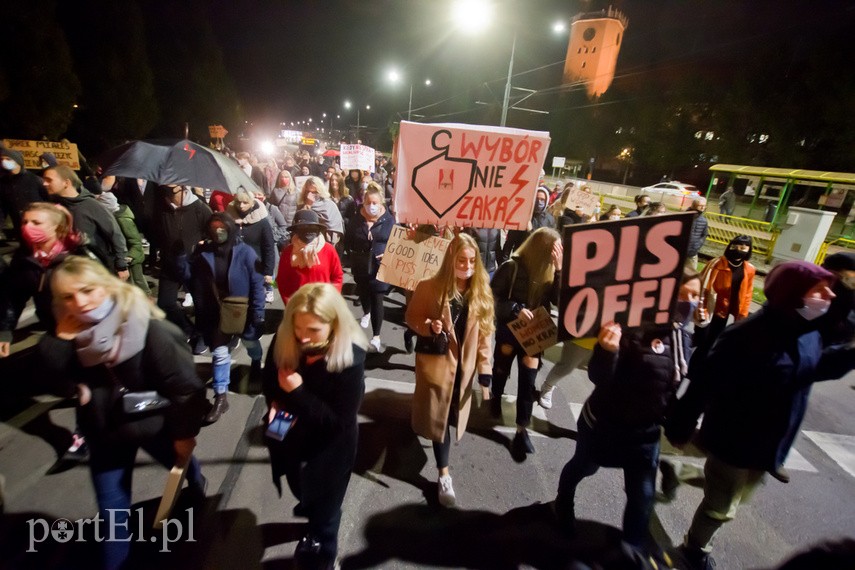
(176, 162)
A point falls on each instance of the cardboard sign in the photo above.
(357, 157)
(65, 152)
(299, 181)
(627, 271)
(405, 262)
(468, 176)
(217, 131)
(536, 335)
(579, 199)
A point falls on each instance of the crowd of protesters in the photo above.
(82, 260)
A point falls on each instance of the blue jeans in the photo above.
(111, 468)
(639, 472)
(222, 362)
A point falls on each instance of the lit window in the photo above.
(709, 136)
(763, 138)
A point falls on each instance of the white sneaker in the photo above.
(188, 300)
(374, 345)
(446, 492)
(365, 321)
(545, 399)
(268, 296)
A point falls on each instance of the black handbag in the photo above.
(143, 402)
(436, 344)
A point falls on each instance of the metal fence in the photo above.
(834, 246)
(724, 228)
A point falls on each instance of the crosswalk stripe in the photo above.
(841, 448)
(797, 462)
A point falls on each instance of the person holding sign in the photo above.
(114, 350)
(455, 304)
(366, 240)
(636, 375)
(316, 373)
(528, 280)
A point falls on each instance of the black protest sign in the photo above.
(627, 271)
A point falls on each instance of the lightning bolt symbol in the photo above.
(192, 151)
(519, 182)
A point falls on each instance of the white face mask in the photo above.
(9, 164)
(373, 209)
(464, 273)
(814, 308)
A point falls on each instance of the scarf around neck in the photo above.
(307, 255)
(112, 340)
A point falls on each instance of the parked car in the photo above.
(672, 188)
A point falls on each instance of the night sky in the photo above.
(292, 60)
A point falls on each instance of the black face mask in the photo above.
(736, 256)
(307, 237)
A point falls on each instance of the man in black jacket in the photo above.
(90, 218)
(18, 188)
(179, 226)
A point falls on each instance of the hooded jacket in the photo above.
(17, 191)
(99, 226)
(254, 229)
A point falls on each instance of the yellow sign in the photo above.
(217, 131)
(65, 152)
(308, 141)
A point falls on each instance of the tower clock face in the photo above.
(589, 34)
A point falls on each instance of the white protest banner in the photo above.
(65, 152)
(627, 271)
(357, 157)
(578, 199)
(536, 335)
(405, 262)
(467, 175)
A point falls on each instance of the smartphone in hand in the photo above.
(279, 426)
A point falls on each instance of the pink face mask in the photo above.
(34, 234)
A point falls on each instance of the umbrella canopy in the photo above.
(176, 162)
(332, 152)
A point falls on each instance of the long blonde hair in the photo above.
(130, 299)
(290, 189)
(535, 254)
(326, 303)
(479, 296)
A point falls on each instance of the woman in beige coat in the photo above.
(458, 303)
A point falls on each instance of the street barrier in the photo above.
(834, 246)
(724, 228)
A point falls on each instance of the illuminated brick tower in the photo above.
(595, 40)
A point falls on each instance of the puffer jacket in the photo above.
(489, 246)
(698, 234)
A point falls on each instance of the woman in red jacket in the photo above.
(309, 258)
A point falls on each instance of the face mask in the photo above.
(814, 308)
(44, 165)
(97, 314)
(308, 237)
(540, 205)
(364, 185)
(9, 164)
(221, 235)
(315, 348)
(685, 310)
(464, 273)
(373, 209)
(735, 256)
(34, 234)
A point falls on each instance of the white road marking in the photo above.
(796, 462)
(576, 409)
(841, 448)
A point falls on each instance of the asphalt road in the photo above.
(391, 518)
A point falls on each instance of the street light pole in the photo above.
(410, 105)
(508, 83)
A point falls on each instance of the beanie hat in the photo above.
(840, 262)
(788, 282)
(13, 154)
(49, 158)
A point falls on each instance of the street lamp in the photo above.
(394, 78)
(348, 105)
